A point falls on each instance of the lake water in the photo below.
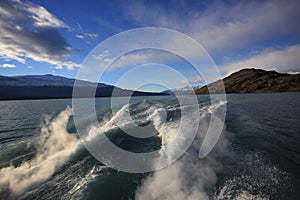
(257, 157)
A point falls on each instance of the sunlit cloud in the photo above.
(282, 60)
(193, 79)
(41, 41)
(6, 65)
(68, 64)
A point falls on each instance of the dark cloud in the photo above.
(30, 31)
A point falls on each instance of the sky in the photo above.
(55, 37)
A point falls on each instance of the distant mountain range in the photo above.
(50, 86)
(255, 81)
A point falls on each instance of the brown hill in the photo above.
(255, 81)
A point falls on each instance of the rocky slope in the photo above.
(255, 81)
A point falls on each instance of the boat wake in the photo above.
(190, 176)
(54, 149)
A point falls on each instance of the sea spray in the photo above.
(123, 120)
(189, 177)
(54, 148)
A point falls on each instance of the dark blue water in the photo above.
(261, 157)
(265, 141)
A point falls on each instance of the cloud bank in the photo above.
(31, 31)
(228, 30)
(282, 60)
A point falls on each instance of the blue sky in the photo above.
(46, 36)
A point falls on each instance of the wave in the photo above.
(253, 176)
(82, 182)
(124, 120)
(54, 148)
(189, 177)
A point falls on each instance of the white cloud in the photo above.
(102, 55)
(87, 35)
(225, 29)
(223, 26)
(67, 64)
(193, 79)
(41, 42)
(92, 35)
(40, 15)
(139, 57)
(239, 26)
(133, 59)
(83, 35)
(6, 65)
(282, 60)
(80, 36)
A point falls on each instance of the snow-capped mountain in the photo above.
(50, 86)
(181, 91)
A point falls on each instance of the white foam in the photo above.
(54, 148)
(82, 182)
(189, 177)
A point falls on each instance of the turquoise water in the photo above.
(258, 156)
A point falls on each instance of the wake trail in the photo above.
(56, 146)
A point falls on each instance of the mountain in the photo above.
(180, 91)
(255, 81)
(49, 86)
(42, 80)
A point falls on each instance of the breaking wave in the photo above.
(54, 148)
(190, 176)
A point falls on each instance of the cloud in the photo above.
(242, 25)
(39, 15)
(135, 58)
(221, 25)
(193, 79)
(80, 36)
(83, 35)
(87, 35)
(102, 55)
(6, 65)
(30, 31)
(224, 29)
(68, 64)
(29, 12)
(282, 60)
(92, 35)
